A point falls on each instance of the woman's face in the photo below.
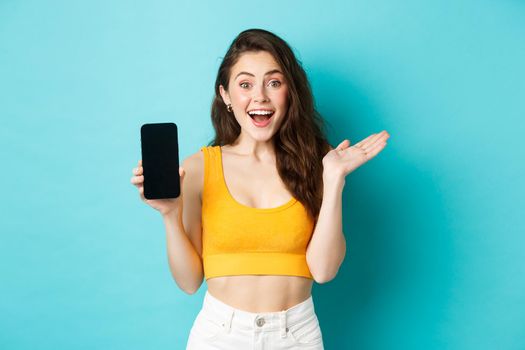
(257, 86)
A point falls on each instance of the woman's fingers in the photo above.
(372, 139)
(375, 149)
(137, 180)
(362, 143)
(343, 145)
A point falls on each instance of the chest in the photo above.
(254, 185)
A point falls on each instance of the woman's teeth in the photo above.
(254, 113)
(261, 118)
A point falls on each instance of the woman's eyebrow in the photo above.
(265, 74)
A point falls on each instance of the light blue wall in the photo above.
(434, 224)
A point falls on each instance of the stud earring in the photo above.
(229, 107)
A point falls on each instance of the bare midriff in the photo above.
(260, 293)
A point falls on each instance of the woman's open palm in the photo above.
(344, 159)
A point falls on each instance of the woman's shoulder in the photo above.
(193, 166)
(194, 161)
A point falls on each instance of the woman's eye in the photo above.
(274, 83)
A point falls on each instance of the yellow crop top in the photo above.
(241, 240)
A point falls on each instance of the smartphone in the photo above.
(160, 160)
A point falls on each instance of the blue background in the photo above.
(434, 224)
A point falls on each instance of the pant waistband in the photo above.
(264, 321)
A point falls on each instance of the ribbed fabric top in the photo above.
(241, 240)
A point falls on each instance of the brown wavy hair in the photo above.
(300, 143)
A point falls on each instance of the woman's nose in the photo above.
(260, 94)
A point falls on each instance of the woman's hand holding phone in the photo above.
(164, 206)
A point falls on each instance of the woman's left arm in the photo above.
(327, 248)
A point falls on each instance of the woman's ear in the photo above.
(224, 94)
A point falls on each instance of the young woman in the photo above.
(262, 204)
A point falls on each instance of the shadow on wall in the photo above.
(397, 272)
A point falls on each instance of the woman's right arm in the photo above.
(183, 226)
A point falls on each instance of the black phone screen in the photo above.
(160, 160)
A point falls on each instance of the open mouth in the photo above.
(261, 117)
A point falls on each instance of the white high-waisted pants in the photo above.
(222, 327)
